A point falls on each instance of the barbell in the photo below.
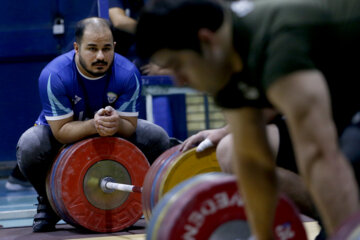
(73, 184)
(105, 184)
(83, 181)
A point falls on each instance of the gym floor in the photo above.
(17, 209)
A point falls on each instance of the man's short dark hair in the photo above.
(174, 24)
(95, 21)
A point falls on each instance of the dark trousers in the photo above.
(37, 148)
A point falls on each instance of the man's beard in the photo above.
(95, 74)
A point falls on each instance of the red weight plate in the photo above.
(166, 203)
(208, 205)
(349, 230)
(59, 165)
(54, 182)
(288, 224)
(69, 183)
(150, 178)
(51, 181)
(59, 168)
(49, 187)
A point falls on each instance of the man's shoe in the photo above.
(45, 219)
(17, 181)
(15, 184)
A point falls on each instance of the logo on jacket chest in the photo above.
(111, 97)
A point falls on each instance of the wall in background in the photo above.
(27, 44)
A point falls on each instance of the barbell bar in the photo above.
(108, 185)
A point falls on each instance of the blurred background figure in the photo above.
(123, 15)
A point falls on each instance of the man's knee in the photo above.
(224, 153)
(33, 143)
(151, 139)
(151, 133)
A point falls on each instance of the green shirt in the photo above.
(278, 37)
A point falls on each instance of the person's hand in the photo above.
(107, 121)
(204, 139)
(149, 69)
(152, 69)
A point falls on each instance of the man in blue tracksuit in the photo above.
(89, 91)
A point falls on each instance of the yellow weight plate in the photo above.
(187, 165)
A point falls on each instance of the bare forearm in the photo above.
(303, 97)
(128, 26)
(255, 168)
(258, 187)
(121, 21)
(320, 159)
(126, 128)
(225, 129)
(75, 131)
